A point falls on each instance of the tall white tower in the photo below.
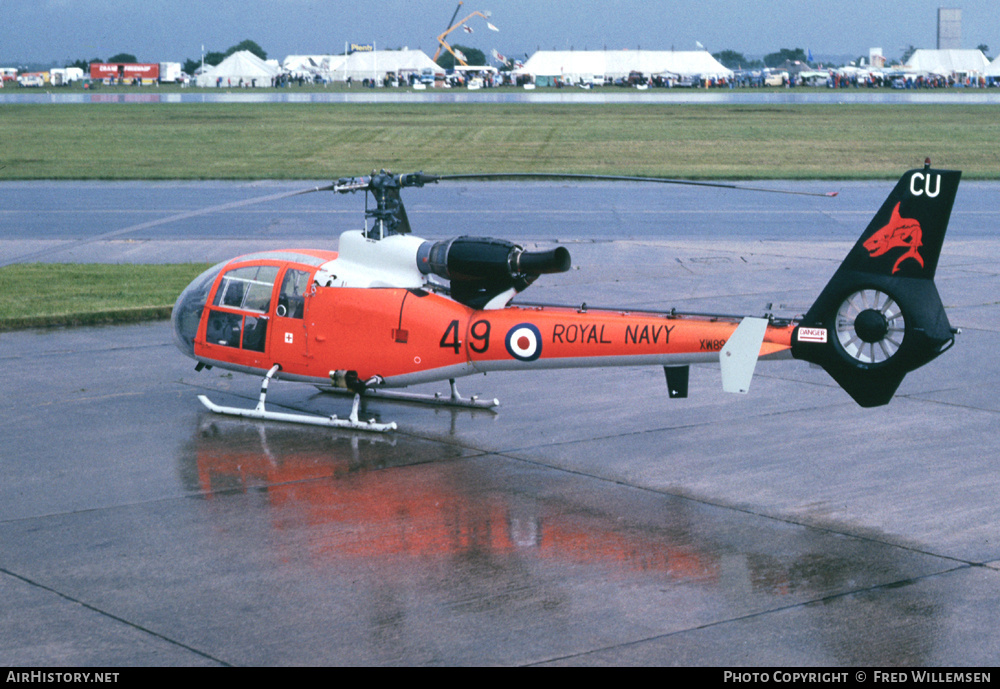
(949, 34)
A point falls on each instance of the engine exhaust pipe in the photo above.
(480, 268)
(541, 262)
(484, 259)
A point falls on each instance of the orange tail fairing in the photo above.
(560, 337)
(412, 336)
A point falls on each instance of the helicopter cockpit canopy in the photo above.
(186, 315)
(244, 299)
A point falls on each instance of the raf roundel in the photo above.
(524, 342)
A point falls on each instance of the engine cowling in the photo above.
(480, 268)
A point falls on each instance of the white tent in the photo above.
(948, 62)
(320, 66)
(993, 70)
(376, 64)
(576, 65)
(239, 69)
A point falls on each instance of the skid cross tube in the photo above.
(260, 412)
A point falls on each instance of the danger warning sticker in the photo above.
(812, 335)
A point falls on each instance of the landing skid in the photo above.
(454, 399)
(259, 412)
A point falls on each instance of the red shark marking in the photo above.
(900, 233)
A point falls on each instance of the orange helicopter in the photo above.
(389, 310)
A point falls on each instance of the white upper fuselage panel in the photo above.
(363, 262)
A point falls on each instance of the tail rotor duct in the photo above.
(870, 326)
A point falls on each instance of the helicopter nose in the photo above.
(189, 306)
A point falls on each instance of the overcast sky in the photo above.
(174, 30)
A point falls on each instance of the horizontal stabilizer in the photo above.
(738, 357)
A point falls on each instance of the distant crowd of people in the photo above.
(751, 80)
(905, 81)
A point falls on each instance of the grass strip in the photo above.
(327, 141)
(57, 294)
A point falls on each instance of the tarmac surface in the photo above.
(590, 520)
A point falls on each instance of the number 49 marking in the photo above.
(480, 332)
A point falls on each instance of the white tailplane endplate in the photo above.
(738, 357)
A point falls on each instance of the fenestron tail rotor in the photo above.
(870, 326)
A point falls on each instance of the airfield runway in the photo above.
(589, 521)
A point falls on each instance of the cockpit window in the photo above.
(291, 298)
(247, 288)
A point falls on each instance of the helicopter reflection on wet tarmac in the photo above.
(486, 541)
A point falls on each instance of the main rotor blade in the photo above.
(625, 178)
(156, 223)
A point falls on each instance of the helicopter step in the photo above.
(260, 412)
(454, 399)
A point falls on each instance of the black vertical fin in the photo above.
(880, 316)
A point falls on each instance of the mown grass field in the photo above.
(319, 141)
(323, 141)
(37, 294)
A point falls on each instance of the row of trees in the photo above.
(473, 56)
(446, 60)
(730, 58)
(735, 60)
(211, 58)
(85, 64)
